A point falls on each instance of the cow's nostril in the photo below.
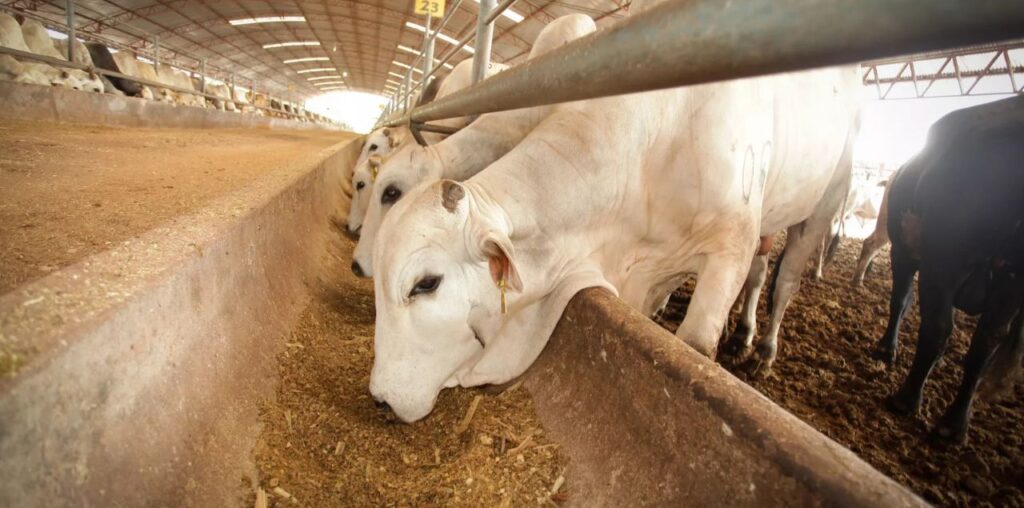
(382, 405)
(356, 269)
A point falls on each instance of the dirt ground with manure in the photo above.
(825, 374)
(325, 443)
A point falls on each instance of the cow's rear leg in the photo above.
(718, 284)
(936, 305)
(801, 241)
(742, 338)
(868, 251)
(903, 270)
(990, 338)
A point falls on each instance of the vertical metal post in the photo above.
(202, 74)
(156, 54)
(428, 48)
(484, 34)
(406, 88)
(69, 9)
(959, 80)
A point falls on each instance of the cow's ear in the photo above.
(501, 261)
(393, 138)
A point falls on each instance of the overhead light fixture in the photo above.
(441, 36)
(395, 74)
(406, 66)
(509, 13)
(268, 19)
(308, 59)
(407, 49)
(322, 69)
(332, 88)
(344, 74)
(335, 82)
(291, 44)
(318, 78)
(144, 60)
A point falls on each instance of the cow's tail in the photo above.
(1007, 366)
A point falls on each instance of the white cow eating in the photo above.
(40, 43)
(382, 142)
(462, 155)
(627, 193)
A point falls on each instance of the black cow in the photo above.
(102, 58)
(955, 215)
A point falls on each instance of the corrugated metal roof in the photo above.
(360, 38)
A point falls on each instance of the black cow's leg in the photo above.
(990, 338)
(936, 304)
(903, 270)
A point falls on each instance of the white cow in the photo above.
(24, 72)
(458, 157)
(148, 72)
(83, 57)
(626, 193)
(40, 43)
(180, 79)
(382, 142)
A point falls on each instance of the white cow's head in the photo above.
(445, 252)
(377, 145)
(404, 169)
(438, 299)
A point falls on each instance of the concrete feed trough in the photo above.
(133, 377)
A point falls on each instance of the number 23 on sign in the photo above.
(433, 7)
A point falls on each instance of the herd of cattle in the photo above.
(31, 36)
(476, 242)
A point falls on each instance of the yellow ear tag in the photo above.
(504, 296)
(373, 173)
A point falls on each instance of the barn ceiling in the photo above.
(361, 39)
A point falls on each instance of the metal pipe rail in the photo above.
(687, 42)
(105, 72)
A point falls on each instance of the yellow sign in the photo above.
(433, 7)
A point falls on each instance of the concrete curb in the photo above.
(142, 366)
(23, 101)
(646, 420)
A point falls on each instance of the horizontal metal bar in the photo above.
(105, 72)
(686, 42)
(441, 129)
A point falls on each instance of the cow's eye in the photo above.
(391, 194)
(373, 147)
(428, 284)
(360, 185)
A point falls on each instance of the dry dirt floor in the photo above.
(325, 443)
(825, 375)
(69, 191)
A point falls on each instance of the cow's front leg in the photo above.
(742, 338)
(718, 283)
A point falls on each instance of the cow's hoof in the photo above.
(947, 434)
(760, 363)
(886, 354)
(901, 406)
(735, 348)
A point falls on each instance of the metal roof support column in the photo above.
(428, 47)
(202, 74)
(484, 34)
(69, 9)
(156, 54)
(406, 91)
